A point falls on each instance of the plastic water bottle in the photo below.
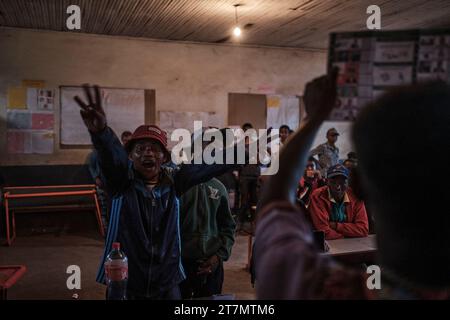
(116, 269)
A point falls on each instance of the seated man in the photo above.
(335, 210)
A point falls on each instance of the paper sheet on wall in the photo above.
(283, 110)
(30, 141)
(18, 119)
(32, 99)
(125, 110)
(18, 142)
(33, 83)
(45, 99)
(17, 98)
(171, 120)
(392, 75)
(42, 121)
(388, 52)
(42, 142)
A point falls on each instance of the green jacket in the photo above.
(207, 227)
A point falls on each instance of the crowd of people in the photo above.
(177, 223)
(412, 241)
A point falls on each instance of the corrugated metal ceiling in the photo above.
(282, 23)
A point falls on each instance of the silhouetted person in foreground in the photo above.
(412, 227)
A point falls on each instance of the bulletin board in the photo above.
(125, 110)
(30, 119)
(372, 62)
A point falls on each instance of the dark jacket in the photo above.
(207, 227)
(145, 222)
(356, 224)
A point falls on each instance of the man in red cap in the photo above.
(145, 210)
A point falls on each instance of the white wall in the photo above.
(186, 76)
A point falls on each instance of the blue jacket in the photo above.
(146, 223)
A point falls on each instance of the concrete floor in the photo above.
(47, 257)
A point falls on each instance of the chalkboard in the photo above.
(125, 110)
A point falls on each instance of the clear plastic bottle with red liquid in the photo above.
(116, 270)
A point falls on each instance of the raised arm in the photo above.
(319, 98)
(284, 244)
(112, 157)
(190, 175)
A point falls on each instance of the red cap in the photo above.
(148, 132)
(116, 245)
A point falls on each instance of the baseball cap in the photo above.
(333, 132)
(337, 170)
(150, 132)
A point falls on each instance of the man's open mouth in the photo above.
(148, 164)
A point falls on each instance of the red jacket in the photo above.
(357, 224)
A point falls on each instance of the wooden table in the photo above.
(353, 250)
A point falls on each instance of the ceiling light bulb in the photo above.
(237, 31)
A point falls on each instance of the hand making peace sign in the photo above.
(92, 113)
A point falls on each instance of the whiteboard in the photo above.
(124, 108)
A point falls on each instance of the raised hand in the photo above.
(320, 96)
(92, 113)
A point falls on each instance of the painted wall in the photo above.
(186, 76)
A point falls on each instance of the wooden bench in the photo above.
(9, 275)
(46, 188)
(36, 199)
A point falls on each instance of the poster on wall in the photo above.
(434, 58)
(17, 98)
(283, 110)
(45, 100)
(392, 75)
(171, 120)
(371, 63)
(390, 52)
(30, 120)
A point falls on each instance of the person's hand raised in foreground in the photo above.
(320, 99)
(320, 96)
(92, 113)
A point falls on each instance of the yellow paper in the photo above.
(33, 83)
(273, 102)
(17, 98)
